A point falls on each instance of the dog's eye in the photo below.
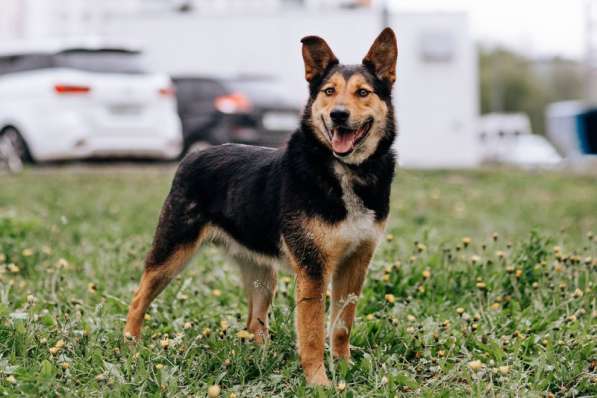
(363, 92)
(329, 91)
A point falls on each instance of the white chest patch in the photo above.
(360, 224)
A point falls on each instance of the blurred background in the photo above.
(479, 82)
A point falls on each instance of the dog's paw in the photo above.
(130, 338)
(319, 379)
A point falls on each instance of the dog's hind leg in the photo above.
(179, 233)
(260, 286)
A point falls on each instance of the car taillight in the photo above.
(232, 103)
(167, 91)
(71, 89)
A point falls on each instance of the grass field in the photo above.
(485, 286)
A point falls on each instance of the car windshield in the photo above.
(107, 61)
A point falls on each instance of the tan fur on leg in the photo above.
(153, 281)
(347, 282)
(310, 326)
(260, 285)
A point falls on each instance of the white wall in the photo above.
(436, 102)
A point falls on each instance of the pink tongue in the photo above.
(342, 143)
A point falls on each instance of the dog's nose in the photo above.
(339, 115)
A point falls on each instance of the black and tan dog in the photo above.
(319, 205)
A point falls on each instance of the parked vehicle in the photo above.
(242, 110)
(507, 138)
(572, 126)
(85, 99)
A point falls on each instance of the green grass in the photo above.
(72, 243)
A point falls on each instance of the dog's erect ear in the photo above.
(382, 56)
(317, 56)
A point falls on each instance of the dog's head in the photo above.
(350, 108)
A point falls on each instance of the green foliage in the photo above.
(511, 82)
(449, 309)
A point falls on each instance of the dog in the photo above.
(318, 205)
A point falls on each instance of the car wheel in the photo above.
(13, 138)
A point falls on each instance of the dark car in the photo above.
(243, 110)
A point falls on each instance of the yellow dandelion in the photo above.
(535, 285)
(411, 318)
(59, 344)
(27, 252)
(216, 292)
(286, 280)
(390, 237)
(54, 350)
(91, 287)
(187, 325)
(475, 259)
(481, 285)
(245, 335)
(341, 386)
(518, 273)
(421, 289)
(224, 325)
(578, 293)
(441, 353)
(390, 298)
(232, 395)
(147, 317)
(165, 343)
(475, 365)
(206, 332)
(65, 365)
(421, 247)
(510, 269)
(466, 241)
(2, 258)
(214, 391)
(459, 310)
(426, 274)
(62, 263)
(397, 264)
(11, 379)
(386, 277)
(495, 306)
(13, 268)
(500, 254)
(571, 318)
(504, 370)
(159, 366)
(370, 317)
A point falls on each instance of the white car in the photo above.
(86, 99)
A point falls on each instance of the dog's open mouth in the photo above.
(344, 140)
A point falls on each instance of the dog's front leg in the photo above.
(310, 325)
(347, 282)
